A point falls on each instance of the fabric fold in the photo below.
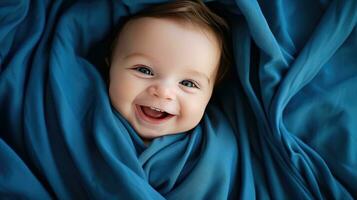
(281, 126)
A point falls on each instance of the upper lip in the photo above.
(160, 109)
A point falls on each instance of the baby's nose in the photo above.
(162, 91)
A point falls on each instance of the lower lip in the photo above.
(151, 120)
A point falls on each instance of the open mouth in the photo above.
(153, 115)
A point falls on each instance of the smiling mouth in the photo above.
(152, 116)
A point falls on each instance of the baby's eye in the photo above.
(144, 70)
(189, 83)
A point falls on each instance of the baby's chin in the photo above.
(148, 136)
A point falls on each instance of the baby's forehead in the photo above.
(148, 23)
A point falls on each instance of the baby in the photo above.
(164, 65)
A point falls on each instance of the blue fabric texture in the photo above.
(281, 127)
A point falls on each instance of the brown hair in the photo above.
(197, 13)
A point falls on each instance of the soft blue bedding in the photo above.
(283, 126)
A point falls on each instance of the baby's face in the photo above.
(162, 64)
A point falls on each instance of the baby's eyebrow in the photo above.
(138, 55)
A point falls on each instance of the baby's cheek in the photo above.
(193, 113)
(120, 96)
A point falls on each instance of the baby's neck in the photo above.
(147, 141)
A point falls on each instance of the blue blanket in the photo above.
(282, 126)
